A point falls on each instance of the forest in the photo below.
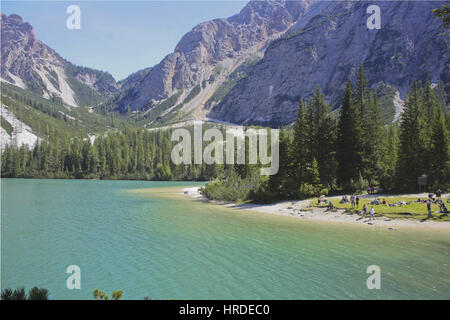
(351, 150)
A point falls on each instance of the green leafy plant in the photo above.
(100, 295)
(35, 293)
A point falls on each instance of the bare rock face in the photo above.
(326, 46)
(30, 64)
(252, 67)
(20, 49)
(212, 42)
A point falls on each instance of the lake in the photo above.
(143, 238)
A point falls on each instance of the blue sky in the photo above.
(120, 37)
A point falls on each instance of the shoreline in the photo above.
(302, 209)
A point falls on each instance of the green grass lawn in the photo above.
(417, 211)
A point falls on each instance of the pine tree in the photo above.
(429, 103)
(313, 173)
(313, 187)
(349, 141)
(440, 161)
(299, 146)
(278, 182)
(372, 130)
(410, 163)
(371, 123)
(361, 92)
(325, 138)
(388, 157)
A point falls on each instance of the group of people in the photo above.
(354, 200)
(431, 200)
(371, 190)
(371, 212)
(377, 201)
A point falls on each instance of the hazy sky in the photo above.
(120, 37)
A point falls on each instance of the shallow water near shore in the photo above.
(149, 241)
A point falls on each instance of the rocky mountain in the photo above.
(213, 50)
(326, 46)
(252, 67)
(134, 78)
(30, 64)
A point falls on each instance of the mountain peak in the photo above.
(325, 48)
(212, 50)
(30, 64)
(14, 18)
(16, 21)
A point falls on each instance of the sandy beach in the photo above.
(302, 209)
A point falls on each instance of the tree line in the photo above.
(351, 149)
(134, 154)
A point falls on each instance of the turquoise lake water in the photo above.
(140, 238)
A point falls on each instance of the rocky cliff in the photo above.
(30, 64)
(325, 48)
(214, 49)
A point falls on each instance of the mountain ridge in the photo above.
(250, 68)
(327, 49)
(30, 64)
(219, 41)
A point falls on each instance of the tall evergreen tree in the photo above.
(349, 141)
(371, 123)
(388, 157)
(410, 163)
(278, 183)
(361, 90)
(298, 150)
(440, 161)
(324, 139)
(372, 133)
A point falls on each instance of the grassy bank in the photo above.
(412, 210)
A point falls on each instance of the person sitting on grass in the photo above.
(322, 199)
(384, 201)
(330, 206)
(399, 203)
(375, 201)
(443, 208)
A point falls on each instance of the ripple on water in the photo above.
(150, 244)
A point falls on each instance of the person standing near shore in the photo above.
(364, 210)
(429, 208)
(372, 213)
(357, 201)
